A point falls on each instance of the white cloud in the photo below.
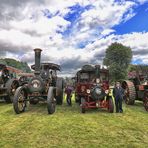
(136, 41)
(105, 13)
(24, 27)
(129, 15)
(42, 25)
(17, 38)
(107, 31)
(98, 21)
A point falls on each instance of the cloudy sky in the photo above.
(72, 32)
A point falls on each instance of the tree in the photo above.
(117, 58)
(17, 64)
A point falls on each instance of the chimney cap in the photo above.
(37, 50)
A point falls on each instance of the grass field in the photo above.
(68, 128)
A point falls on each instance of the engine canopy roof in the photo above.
(52, 66)
(92, 68)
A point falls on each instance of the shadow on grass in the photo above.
(41, 108)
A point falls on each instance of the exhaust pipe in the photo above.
(37, 60)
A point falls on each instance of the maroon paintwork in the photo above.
(86, 85)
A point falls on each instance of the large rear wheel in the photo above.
(130, 92)
(59, 91)
(19, 101)
(51, 101)
(145, 101)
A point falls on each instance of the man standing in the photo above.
(68, 91)
(118, 93)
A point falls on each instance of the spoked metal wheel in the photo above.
(19, 101)
(11, 85)
(145, 101)
(130, 92)
(51, 101)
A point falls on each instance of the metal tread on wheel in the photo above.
(130, 92)
(60, 86)
(145, 101)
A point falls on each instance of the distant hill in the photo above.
(17, 64)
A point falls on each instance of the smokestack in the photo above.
(97, 71)
(37, 60)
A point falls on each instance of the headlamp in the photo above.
(88, 91)
(98, 91)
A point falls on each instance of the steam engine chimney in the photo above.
(37, 60)
(97, 70)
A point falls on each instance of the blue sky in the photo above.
(73, 16)
(73, 32)
(138, 23)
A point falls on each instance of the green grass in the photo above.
(68, 128)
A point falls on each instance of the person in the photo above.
(118, 93)
(68, 91)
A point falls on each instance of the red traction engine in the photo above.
(92, 88)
